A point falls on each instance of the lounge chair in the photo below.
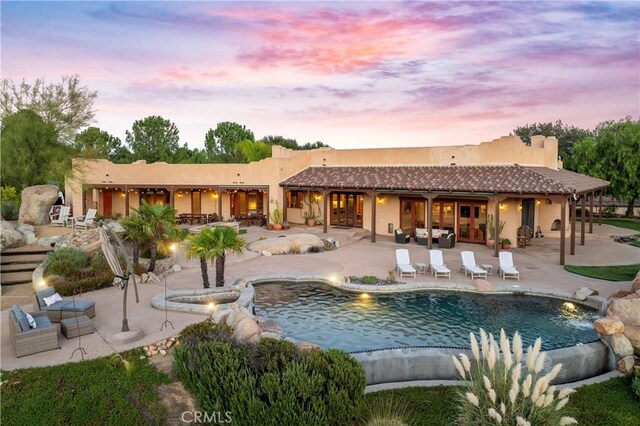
(401, 237)
(403, 264)
(469, 265)
(437, 266)
(506, 268)
(27, 340)
(65, 308)
(62, 216)
(85, 221)
(447, 240)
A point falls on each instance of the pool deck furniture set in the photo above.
(63, 218)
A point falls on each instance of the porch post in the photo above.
(593, 193)
(430, 220)
(600, 209)
(563, 225)
(373, 216)
(583, 215)
(219, 192)
(496, 225)
(284, 204)
(126, 201)
(83, 206)
(572, 242)
(171, 201)
(325, 215)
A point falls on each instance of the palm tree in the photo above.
(134, 227)
(158, 226)
(213, 244)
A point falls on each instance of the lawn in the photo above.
(95, 392)
(623, 223)
(602, 404)
(608, 273)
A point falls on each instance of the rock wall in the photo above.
(36, 203)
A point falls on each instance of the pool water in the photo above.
(315, 312)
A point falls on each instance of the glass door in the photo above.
(346, 209)
(472, 222)
(412, 215)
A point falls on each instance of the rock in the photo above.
(148, 353)
(271, 326)
(36, 203)
(231, 318)
(153, 277)
(9, 236)
(608, 326)
(306, 346)
(245, 329)
(626, 310)
(266, 253)
(625, 365)
(153, 347)
(238, 317)
(86, 240)
(583, 292)
(163, 352)
(283, 245)
(618, 294)
(220, 317)
(116, 227)
(621, 345)
(154, 352)
(635, 284)
(49, 241)
(144, 278)
(482, 285)
(269, 335)
(632, 332)
(169, 343)
(242, 283)
(255, 338)
(25, 227)
(176, 268)
(30, 237)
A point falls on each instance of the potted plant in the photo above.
(276, 218)
(492, 230)
(505, 243)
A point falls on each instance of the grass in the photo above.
(601, 404)
(622, 223)
(96, 392)
(608, 273)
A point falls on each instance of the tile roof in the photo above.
(492, 179)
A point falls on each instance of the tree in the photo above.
(254, 151)
(202, 246)
(612, 154)
(567, 136)
(136, 233)
(291, 143)
(158, 227)
(153, 139)
(221, 143)
(31, 153)
(96, 143)
(215, 244)
(67, 105)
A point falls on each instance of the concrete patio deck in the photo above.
(538, 265)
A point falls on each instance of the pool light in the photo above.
(364, 295)
(570, 306)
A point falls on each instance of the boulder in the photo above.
(618, 294)
(632, 332)
(266, 253)
(269, 335)
(30, 237)
(608, 326)
(9, 236)
(86, 240)
(626, 310)
(621, 345)
(36, 203)
(635, 284)
(176, 268)
(153, 277)
(306, 346)
(255, 338)
(283, 245)
(116, 227)
(49, 241)
(25, 227)
(482, 285)
(246, 329)
(271, 326)
(583, 292)
(220, 317)
(625, 365)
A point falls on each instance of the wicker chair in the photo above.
(27, 341)
(66, 308)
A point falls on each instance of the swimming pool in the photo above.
(315, 312)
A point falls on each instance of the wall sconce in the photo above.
(214, 195)
(502, 206)
(538, 202)
(179, 194)
(317, 197)
(380, 199)
(519, 206)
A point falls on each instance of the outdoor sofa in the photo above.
(65, 308)
(27, 340)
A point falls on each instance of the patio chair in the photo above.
(85, 221)
(447, 240)
(469, 265)
(437, 266)
(506, 268)
(65, 308)
(62, 216)
(27, 340)
(401, 237)
(403, 264)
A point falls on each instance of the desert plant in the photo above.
(65, 261)
(159, 228)
(391, 276)
(635, 382)
(215, 244)
(135, 233)
(369, 279)
(495, 393)
(492, 227)
(385, 412)
(295, 248)
(277, 216)
(328, 246)
(309, 213)
(10, 210)
(316, 249)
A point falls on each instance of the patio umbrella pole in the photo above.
(166, 319)
(82, 351)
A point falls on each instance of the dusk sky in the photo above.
(350, 74)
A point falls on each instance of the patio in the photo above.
(356, 256)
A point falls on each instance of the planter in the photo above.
(311, 222)
(270, 227)
(506, 246)
(277, 226)
(491, 243)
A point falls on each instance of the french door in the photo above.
(346, 209)
(412, 215)
(107, 202)
(472, 222)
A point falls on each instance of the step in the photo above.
(29, 249)
(19, 267)
(13, 278)
(27, 258)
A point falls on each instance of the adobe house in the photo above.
(455, 188)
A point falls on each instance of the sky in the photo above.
(349, 74)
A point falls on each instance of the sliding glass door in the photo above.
(346, 209)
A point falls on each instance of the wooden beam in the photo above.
(583, 215)
(563, 225)
(600, 209)
(126, 201)
(430, 220)
(83, 206)
(219, 191)
(593, 193)
(373, 216)
(325, 210)
(496, 224)
(171, 201)
(284, 204)
(572, 242)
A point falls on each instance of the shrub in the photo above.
(609, 211)
(635, 383)
(328, 246)
(10, 210)
(353, 278)
(385, 412)
(65, 261)
(9, 194)
(205, 331)
(66, 288)
(369, 279)
(316, 249)
(295, 249)
(391, 277)
(270, 382)
(496, 395)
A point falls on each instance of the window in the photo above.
(294, 199)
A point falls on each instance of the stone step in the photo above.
(28, 249)
(19, 267)
(27, 258)
(13, 278)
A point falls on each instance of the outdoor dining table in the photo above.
(192, 218)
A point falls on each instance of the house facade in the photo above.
(454, 188)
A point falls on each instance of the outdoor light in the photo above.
(570, 306)
(538, 202)
(380, 199)
(42, 283)
(519, 206)
(173, 247)
(211, 306)
(502, 206)
(364, 295)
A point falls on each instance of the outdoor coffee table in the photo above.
(421, 268)
(487, 268)
(70, 329)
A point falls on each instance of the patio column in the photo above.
(219, 204)
(126, 201)
(430, 220)
(593, 193)
(83, 206)
(572, 242)
(496, 225)
(563, 225)
(171, 200)
(325, 209)
(373, 216)
(583, 215)
(284, 204)
(600, 209)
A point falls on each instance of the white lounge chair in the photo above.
(403, 264)
(85, 221)
(506, 268)
(62, 216)
(469, 265)
(437, 266)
